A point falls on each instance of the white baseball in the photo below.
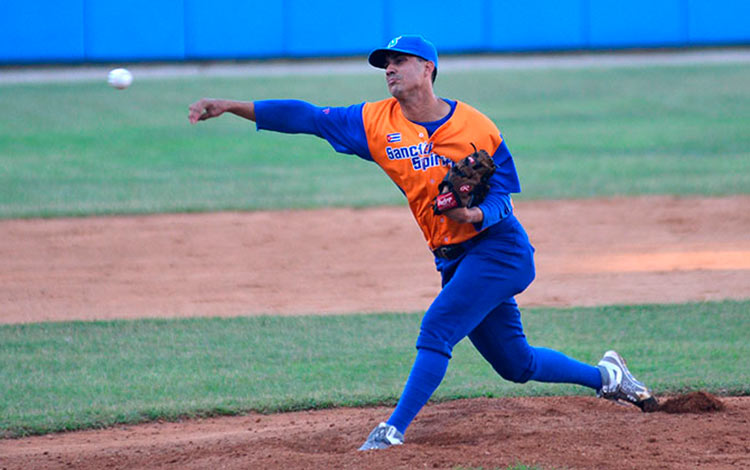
(120, 78)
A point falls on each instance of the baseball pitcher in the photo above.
(454, 168)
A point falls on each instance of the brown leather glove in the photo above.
(466, 183)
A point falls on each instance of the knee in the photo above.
(434, 342)
(519, 375)
(520, 368)
(439, 330)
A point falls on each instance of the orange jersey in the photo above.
(418, 162)
(415, 160)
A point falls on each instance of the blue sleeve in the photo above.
(505, 177)
(497, 205)
(342, 127)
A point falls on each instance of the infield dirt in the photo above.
(588, 252)
(552, 432)
(642, 250)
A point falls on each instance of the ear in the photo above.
(430, 66)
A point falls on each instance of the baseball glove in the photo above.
(466, 183)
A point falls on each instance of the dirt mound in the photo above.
(548, 432)
(696, 402)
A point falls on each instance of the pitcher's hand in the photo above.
(206, 108)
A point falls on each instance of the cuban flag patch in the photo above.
(393, 138)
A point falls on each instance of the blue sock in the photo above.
(554, 366)
(425, 376)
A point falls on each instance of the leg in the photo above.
(501, 341)
(500, 266)
(426, 374)
(483, 279)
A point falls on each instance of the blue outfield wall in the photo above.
(77, 31)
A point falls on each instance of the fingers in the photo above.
(196, 112)
(200, 111)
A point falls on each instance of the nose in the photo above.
(389, 68)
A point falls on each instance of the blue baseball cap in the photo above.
(408, 44)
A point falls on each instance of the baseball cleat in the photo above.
(383, 437)
(619, 384)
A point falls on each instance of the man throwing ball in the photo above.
(455, 169)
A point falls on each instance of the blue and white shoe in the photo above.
(383, 437)
(619, 384)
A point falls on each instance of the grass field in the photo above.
(84, 148)
(62, 376)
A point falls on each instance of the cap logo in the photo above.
(393, 42)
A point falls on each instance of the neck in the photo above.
(425, 107)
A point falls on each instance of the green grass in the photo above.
(83, 148)
(77, 375)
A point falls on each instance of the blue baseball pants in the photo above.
(477, 301)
